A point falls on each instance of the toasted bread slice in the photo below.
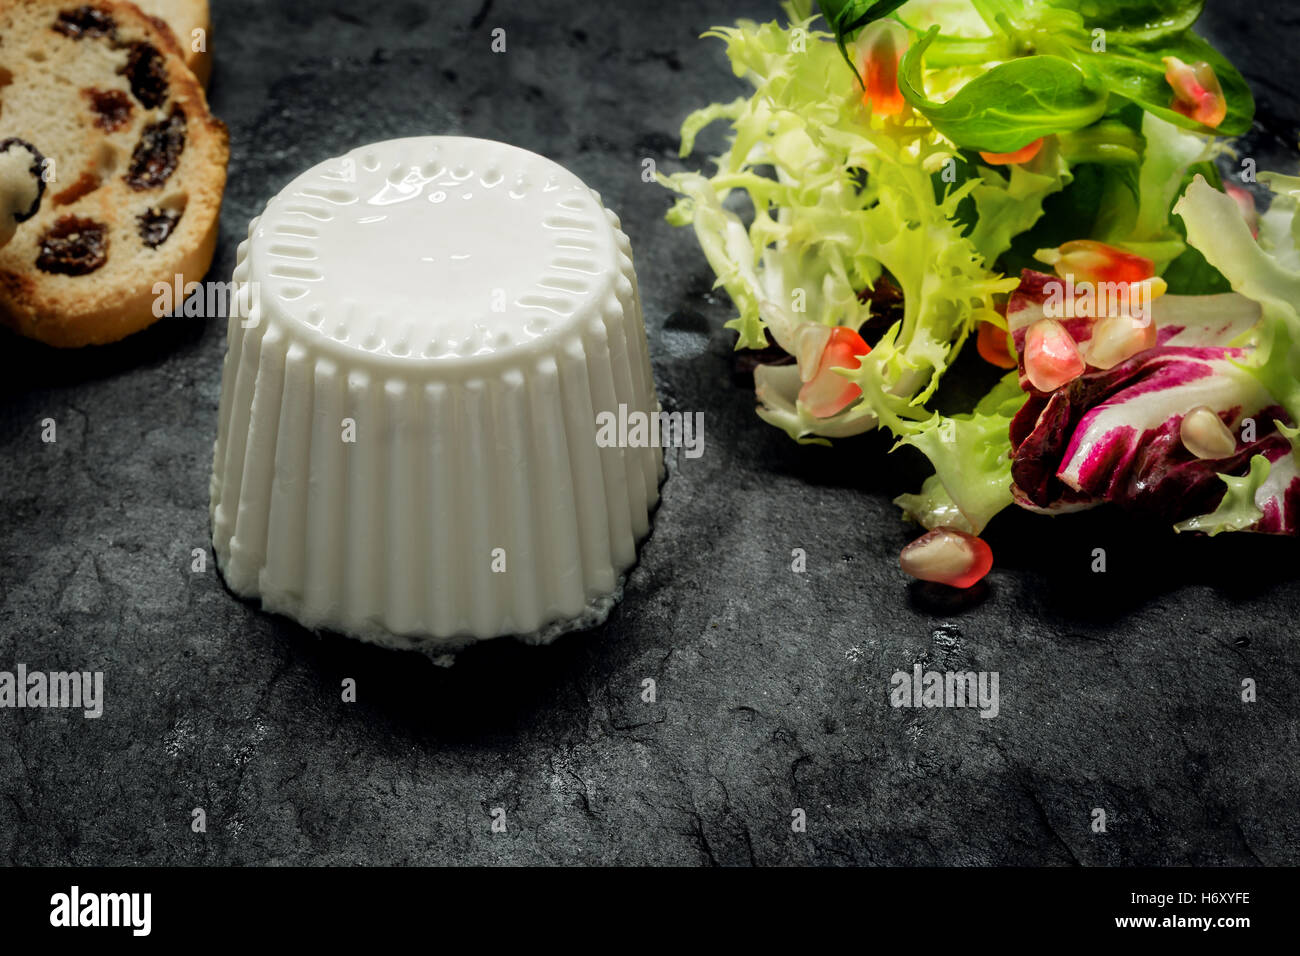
(138, 168)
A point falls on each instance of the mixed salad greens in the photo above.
(1040, 176)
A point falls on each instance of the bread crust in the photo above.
(179, 19)
(41, 105)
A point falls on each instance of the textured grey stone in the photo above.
(1119, 691)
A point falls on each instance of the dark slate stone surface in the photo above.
(1119, 690)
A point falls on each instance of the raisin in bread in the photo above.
(139, 165)
(182, 18)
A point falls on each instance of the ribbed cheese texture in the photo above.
(426, 332)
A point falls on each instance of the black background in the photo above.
(1119, 690)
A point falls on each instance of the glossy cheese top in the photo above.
(435, 249)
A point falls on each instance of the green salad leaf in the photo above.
(1138, 22)
(971, 454)
(1138, 75)
(1237, 510)
(1007, 206)
(1010, 105)
(1216, 228)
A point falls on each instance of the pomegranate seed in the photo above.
(1204, 434)
(827, 393)
(883, 44)
(1051, 356)
(1087, 259)
(1246, 203)
(947, 556)
(991, 342)
(1118, 337)
(1197, 94)
(1023, 155)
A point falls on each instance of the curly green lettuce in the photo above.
(840, 198)
(971, 454)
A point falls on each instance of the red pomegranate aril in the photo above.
(828, 393)
(1088, 259)
(947, 556)
(882, 44)
(1051, 356)
(1022, 155)
(1197, 94)
(991, 343)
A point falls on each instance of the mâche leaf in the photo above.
(1137, 22)
(1138, 74)
(1010, 105)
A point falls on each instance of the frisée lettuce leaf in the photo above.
(838, 198)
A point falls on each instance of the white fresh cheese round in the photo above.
(427, 334)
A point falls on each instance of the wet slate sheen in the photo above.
(1118, 690)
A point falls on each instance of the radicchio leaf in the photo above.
(1113, 435)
